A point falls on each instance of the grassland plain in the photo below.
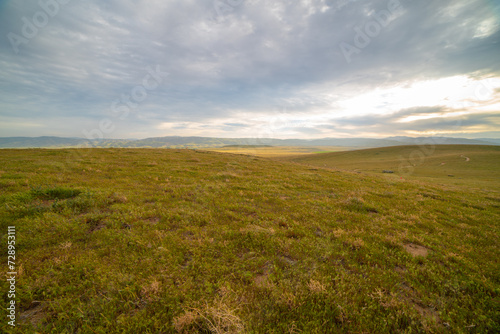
(185, 241)
(287, 152)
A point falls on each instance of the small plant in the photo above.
(359, 205)
(54, 193)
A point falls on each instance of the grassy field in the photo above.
(277, 151)
(465, 165)
(184, 241)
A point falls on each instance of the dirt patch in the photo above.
(95, 224)
(47, 203)
(34, 314)
(289, 260)
(400, 270)
(428, 313)
(318, 232)
(467, 159)
(262, 280)
(153, 220)
(416, 250)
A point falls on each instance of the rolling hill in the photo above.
(188, 241)
(471, 165)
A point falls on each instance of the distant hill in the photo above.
(49, 142)
(445, 141)
(491, 140)
(206, 142)
(246, 146)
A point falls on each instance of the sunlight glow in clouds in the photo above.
(458, 96)
(455, 93)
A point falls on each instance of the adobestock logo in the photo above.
(221, 8)
(39, 20)
(483, 91)
(370, 30)
(121, 108)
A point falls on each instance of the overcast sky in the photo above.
(250, 68)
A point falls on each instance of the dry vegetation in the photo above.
(276, 151)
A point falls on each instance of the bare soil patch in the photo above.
(35, 314)
(416, 250)
(467, 159)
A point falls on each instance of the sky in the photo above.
(250, 68)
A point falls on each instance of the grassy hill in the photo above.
(183, 241)
(470, 165)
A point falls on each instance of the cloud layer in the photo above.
(234, 68)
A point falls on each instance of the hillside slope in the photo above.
(182, 241)
(470, 165)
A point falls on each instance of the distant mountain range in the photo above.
(206, 142)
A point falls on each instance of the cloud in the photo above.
(424, 121)
(258, 58)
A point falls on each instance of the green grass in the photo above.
(183, 241)
(54, 193)
(464, 165)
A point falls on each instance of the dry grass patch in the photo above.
(256, 229)
(217, 319)
(152, 290)
(316, 286)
